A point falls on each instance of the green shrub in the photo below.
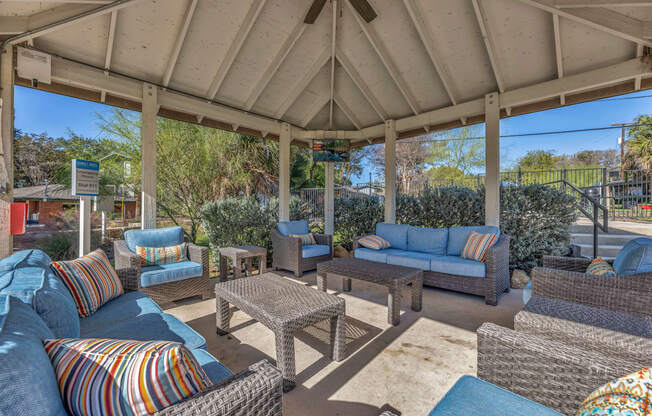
(356, 217)
(244, 221)
(59, 246)
(441, 207)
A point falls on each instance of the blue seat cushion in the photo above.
(28, 383)
(527, 292)
(166, 273)
(415, 259)
(471, 396)
(214, 369)
(314, 250)
(458, 266)
(427, 240)
(27, 276)
(157, 237)
(457, 236)
(152, 327)
(293, 227)
(117, 311)
(396, 234)
(635, 257)
(379, 256)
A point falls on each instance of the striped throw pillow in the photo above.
(600, 267)
(374, 242)
(91, 280)
(153, 256)
(306, 239)
(477, 245)
(112, 377)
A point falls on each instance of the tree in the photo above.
(411, 159)
(538, 160)
(455, 155)
(639, 145)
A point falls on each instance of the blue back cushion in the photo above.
(293, 227)
(635, 257)
(457, 236)
(27, 379)
(396, 234)
(157, 237)
(27, 276)
(427, 240)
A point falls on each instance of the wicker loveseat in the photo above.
(168, 282)
(35, 305)
(437, 253)
(290, 254)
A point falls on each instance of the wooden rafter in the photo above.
(571, 4)
(488, 42)
(350, 70)
(341, 104)
(178, 43)
(110, 40)
(558, 53)
(315, 108)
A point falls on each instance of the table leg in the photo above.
(262, 265)
(223, 316)
(338, 337)
(346, 285)
(417, 294)
(394, 305)
(321, 281)
(285, 358)
(224, 267)
(250, 266)
(237, 268)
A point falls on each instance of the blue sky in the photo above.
(38, 112)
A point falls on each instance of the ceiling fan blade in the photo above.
(364, 8)
(314, 11)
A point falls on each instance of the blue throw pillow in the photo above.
(635, 257)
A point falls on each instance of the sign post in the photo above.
(85, 184)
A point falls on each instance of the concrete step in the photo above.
(608, 239)
(585, 226)
(604, 251)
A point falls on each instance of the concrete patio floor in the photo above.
(407, 368)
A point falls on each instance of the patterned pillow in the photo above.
(112, 377)
(628, 396)
(91, 280)
(600, 267)
(374, 242)
(477, 245)
(153, 256)
(306, 239)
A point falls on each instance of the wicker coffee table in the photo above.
(284, 307)
(389, 275)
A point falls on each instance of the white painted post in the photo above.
(285, 139)
(6, 147)
(390, 171)
(103, 226)
(492, 159)
(329, 199)
(84, 225)
(148, 156)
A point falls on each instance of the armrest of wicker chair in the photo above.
(127, 259)
(571, 264)
(624, 293)
(255, 391)
(285, 247)
(497, 263)
(550, 373)
(325, 239)
(199, 254)
(355, 244)
(129, 278)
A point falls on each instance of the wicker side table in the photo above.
(239, 253)
(284, 307)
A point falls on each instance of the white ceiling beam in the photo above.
(234, 49)
(488, 42)
(60, 1)
(605, 20)
(60, 17)
(303, 83)
(178, 43)
(12, 25)
(276, 63)
(639, 79)
(347, 111)
(570, 4)
(314, 109)
(350, 70)
(110, 40)
(333, 40)
(384, 56)
(558, 53)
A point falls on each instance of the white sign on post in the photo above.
(85, 178)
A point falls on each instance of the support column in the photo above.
(84, 225)
(285, 139)
(492, 159)
(6, 147)
(329, 199)
(390, 171)
(148, 156)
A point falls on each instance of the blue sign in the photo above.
(85, 178)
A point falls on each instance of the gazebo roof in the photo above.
(247, 65)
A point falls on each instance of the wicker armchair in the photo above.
(164, 293)
(564, 278)
(288, 253)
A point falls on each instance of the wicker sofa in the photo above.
(35, 305)
(437, 253)
(290, 254)
(168, 282)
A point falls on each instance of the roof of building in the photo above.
(52, 192)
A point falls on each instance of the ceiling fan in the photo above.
(362, 6)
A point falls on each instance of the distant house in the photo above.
(46, 201)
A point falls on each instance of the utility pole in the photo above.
(623, 126)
